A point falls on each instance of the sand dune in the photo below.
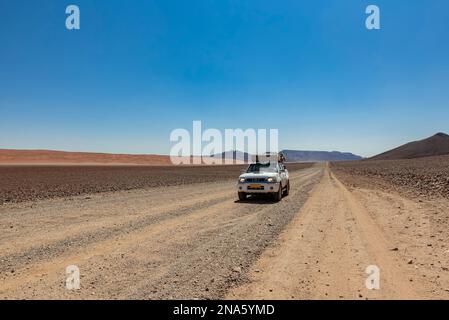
(51, 157)
(61, 157)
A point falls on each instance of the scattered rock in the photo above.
(237, 269)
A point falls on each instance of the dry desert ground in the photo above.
(180, 233)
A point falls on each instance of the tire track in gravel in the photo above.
(62, 246)
(231, 248)
(324, 253)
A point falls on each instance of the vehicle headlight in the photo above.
(241, 180)
(271, 180)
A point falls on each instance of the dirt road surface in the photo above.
(196, 241)
(324, 252)
(188, 241)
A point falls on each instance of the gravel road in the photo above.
(170, 242)
(340, 232)
(196, 241)
(20, 183)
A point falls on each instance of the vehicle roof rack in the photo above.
(270, 157)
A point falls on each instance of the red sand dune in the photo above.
(50, 157)
(61, 157)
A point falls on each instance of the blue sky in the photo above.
(136, 70)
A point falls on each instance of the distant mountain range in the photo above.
(296, 156)
(318, 156)
(436, 145)
(236, 155)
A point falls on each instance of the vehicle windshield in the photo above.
(262, 167)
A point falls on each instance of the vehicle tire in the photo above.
(278, 195)
(287, 189)
(242, 196)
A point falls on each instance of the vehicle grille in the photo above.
(255, 180)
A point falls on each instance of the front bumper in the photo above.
(264, 187)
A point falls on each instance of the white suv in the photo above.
(264, 178)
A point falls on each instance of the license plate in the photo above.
(255, 186)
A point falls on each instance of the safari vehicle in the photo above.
(266, 175)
